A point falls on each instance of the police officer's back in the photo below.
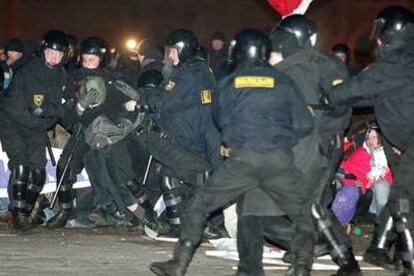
(261, 115)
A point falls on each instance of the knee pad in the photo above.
(384, 237)
(18, 186)
(37, 179)
(173, 200)
(65, 193)
(404, 241)
(324, 224)
(138, 190)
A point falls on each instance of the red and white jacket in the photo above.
(368, 166)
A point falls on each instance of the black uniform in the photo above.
(23, 134)
(389, 84)
(313, 71)
(186, 109)
(261, 115)
(184, 139)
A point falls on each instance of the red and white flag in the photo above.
(288, 7)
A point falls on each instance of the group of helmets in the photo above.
(393, 26)
(60, 41)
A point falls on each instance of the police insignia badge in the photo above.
(206, 97)
(170, 85)
(254, 82)
(38, 99)
(337, 82)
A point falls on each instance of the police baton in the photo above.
(147, 170)
(65, 168)
(50, 151)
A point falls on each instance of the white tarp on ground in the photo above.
(227, 249)
(50, 186)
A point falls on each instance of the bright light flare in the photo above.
(131, 44)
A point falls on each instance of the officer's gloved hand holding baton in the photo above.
(132, 106)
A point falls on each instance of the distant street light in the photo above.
(131, 44)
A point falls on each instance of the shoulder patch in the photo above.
(206, 97)
(38, 99)
(337, 82)
(170, 85)
(254, 82)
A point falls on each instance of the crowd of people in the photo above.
(260, 122)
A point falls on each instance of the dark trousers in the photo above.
(24, 146)
(112, 166)
(274, 172)
(183, 163)
(403, 188)
(78, 148)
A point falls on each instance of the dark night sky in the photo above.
(116, 20)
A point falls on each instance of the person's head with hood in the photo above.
(14, 50)
(218, 41)
(342, 51)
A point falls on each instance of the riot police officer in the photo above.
(184, 138)
(388, 84)
(94, 51)
(295, 53)
(261, 115)
(33, 108)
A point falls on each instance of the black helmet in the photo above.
(284, 42)
(393, 26)
(342, 48)
(251, 47)
(96, 46)
(302, 27)
(72, 40)
(185, 42)
(56, 40)
(16, 45)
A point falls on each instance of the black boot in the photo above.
(60, 219)
(19, 178)
(65, 196)
(183, 254)
(21, 223)
(150, 217)
(37, 216)
(298, 269)
(349, 266)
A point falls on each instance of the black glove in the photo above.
(87, 100)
